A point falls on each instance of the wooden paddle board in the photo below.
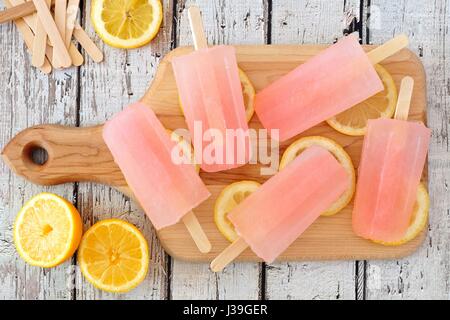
(79, 154)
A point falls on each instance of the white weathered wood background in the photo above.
(92, 93)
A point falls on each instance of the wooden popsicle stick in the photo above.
(71, 16)
(196, 232)
(16, 12)
(76, 56)
(60, 17)
(40, 42)
(196, 23)
(47, 21)
(388, 49)
(228, 255)
(60, 21)
(19, 10)
(31, 19)
(404, 99)
(86, 42)
(28, 37)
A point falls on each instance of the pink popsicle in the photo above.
(271, 218)
(142, 149)
(211, 96)
(336, 79)
(392, 162)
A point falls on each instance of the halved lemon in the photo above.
(248, 92)
(229, 198)
(186, 149)
(126, 23)
(47, 230)
(419, 218)
(353, 122)
(338, 152)
(113, 256)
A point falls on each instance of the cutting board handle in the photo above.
(73, 154)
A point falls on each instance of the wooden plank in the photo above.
(318, 21)
(107, 88)
(225, 22)
(29, 97)
(310, 22)
(425, 274)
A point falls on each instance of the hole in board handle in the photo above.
(35, 156)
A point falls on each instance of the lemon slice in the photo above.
(47, 230)
(113, 256)
(229, 198)
(353, 122)
(126, 23)
(338, 152)
(248, 92)
(419, 218)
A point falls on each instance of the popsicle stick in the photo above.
(228, 255)
(47, 21)
(16, 11)
(40, 42)
(86, 42)
(388, 49)
(71, 16)
(60, 21)
(75, 55)
(30, 19)
(31, 22)
(28, 37)
(60, 16)
(196, 232)
(196, 23)
(404, 99)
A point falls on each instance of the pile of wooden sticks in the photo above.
(48, 33)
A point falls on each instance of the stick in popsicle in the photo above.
(336, 79)
(276, 214)
(404, 99)
(166, 191)
(45, 16)
(390, 170)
